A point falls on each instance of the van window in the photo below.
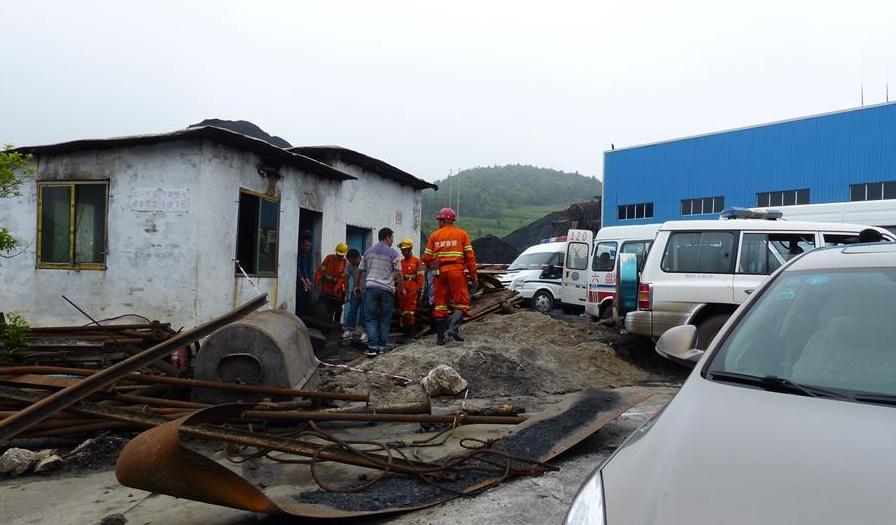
(836, 239)
(763, 253)
(577, 256)
(604, 257)
(639, 248)
(699, 252)
(535, 261)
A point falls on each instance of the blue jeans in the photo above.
(353, 311)
(378, 305)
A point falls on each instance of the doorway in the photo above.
(310, 223)
(358, 238)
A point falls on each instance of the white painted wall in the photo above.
(150, 254)
(375, 202)
(177, 266)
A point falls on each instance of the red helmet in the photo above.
(447, 214)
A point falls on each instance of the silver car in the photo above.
(789, 417)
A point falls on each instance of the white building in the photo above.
(152, 224)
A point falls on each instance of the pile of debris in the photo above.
(95, 346)
(282, 434)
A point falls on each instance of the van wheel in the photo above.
(543, 301)
(606, 310)
(708, 329)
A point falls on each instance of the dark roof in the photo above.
(244, 127)
(268, 152)
(329, 154)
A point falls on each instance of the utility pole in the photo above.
(457, 210)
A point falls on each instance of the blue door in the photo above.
(356, 238)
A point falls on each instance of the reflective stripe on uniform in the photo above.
(468, 248)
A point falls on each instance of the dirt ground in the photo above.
(527, 353)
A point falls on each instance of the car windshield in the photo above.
(531, 261)
(831, 329)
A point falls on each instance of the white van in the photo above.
(698, 272)
(609, 241)
(589, 268)
(536, 273)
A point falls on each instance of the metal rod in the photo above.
(68, 396)
(394, 418)
(193, 383)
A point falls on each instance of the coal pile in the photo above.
(492, 250)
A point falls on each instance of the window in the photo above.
(635, 211)
(71, 225)
(699, 252)
(577, 256)
(837, 239)
(873, 191)
(702, 206)
(763, 253)
(604, 259)
(257, 234)
(783, 198)
(640, 249)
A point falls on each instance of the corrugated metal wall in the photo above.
(824, 153)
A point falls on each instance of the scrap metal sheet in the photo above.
(158, 461)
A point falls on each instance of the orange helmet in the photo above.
(446, 214)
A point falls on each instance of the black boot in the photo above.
(454, 325)
(440, 332)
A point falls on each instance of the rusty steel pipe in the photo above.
(45, 407)
(392, 418)
(193, 383)
(36, 432)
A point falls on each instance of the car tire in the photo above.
(606, 311)
(707, 330)
(542, 301)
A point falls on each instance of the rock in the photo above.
(114, 519)
(48, 464)
(17, 461)
(443, 380)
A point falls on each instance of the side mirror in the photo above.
(677, 344)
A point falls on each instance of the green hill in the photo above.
(500, 199)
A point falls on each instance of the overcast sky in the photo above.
(436, 88)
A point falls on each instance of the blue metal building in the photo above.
(834, 157)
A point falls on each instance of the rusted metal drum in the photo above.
(266, 348)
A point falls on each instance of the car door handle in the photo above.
(748, 291)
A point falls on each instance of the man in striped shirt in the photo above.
(449, 252)
(381, 270)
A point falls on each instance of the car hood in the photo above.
(721, 453)
(510, 276)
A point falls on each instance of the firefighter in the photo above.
(330, 277)
(412, 273)
(448, 252)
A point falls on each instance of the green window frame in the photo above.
(72, 225)
(257, 234)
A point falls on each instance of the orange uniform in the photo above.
(412, 273)
(449, 250)
(331, 275)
